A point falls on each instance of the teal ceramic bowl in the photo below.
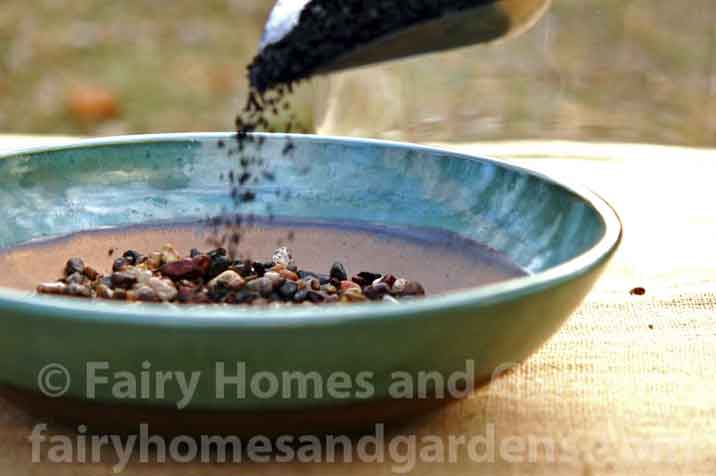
(562, 234)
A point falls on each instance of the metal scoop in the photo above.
(486, 21)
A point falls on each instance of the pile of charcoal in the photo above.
(330, 28)
(214, 278)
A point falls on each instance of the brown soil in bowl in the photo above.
(440, 261)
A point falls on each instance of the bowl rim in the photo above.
(177, 316)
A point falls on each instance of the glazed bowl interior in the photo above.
(538, 224)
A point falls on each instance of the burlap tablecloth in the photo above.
(628, 386)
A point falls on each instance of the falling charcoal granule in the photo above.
(214, 278)
(252, 167)
(327, 29)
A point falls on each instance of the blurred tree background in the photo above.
(106, 67)
(628, 70)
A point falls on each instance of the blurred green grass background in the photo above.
(630, 70)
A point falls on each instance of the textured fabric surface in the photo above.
(627, 386)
